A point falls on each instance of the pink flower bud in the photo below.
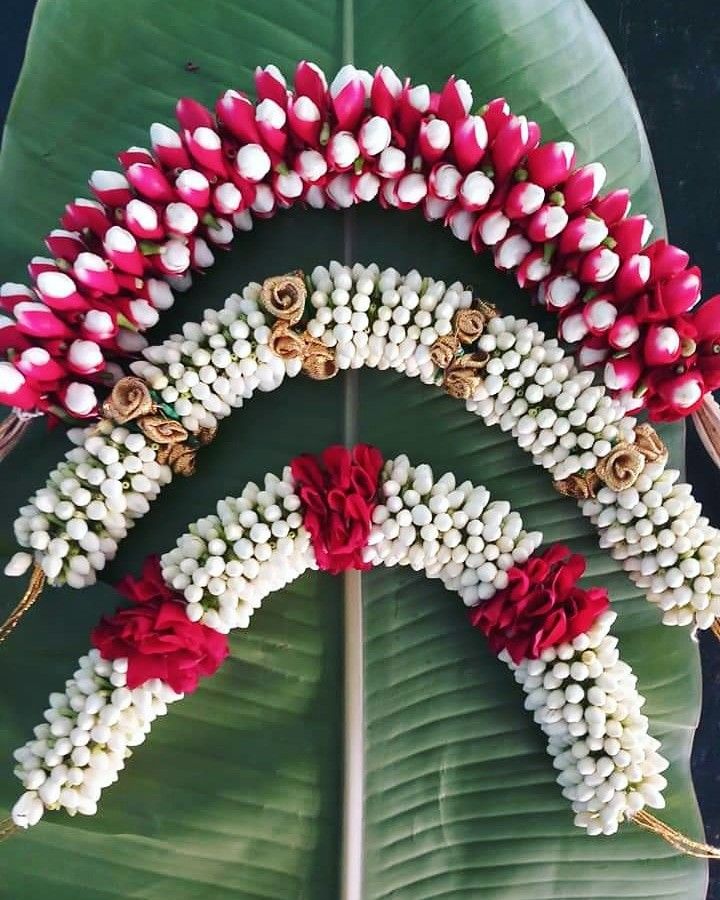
(237, 114)
(86, 215)
(288, 187)
(264, 205)
(411, 190)
(490, 229)
(600, 315)
(270, 84)
(111, 188)
(310, 81)
(460, 222)
(455, 100)
(433, 139)
(365, 187)
(434, 208)
(65, 244)
(624, 333)
(550, 164)
(573, 328)
(469, 140)
(227, 199)
(159, 293)
(174, 258)
(11, 294)
(310, 165)
(385, 91)
(511, 252)
(122, 251)
(252, 162)
(413, 104)
(445, 181)
(592, 353)
(38, 320)
(523, 199)
(98, 325)
(150, 182)
(142, 314)
(193, 188)
(705, 319)
(682, 393)
(559, 292)
(581, 234)
(599, 266)
(392, 163)
(271, 120)
(495, 114)
(141, 219)
(40, 264)
(59, 292)
(206, 148)
(85, 357)
(168, 147)
(623, 373)
(340, 192)
(681, 292)
(347, 95)
(583, 185)
(315, 197)
(191, 114)
(475, 191)
(533, 269)
(666, 259)
(661, 346)
(135, 155)
(510, 145)
(374, 136)
(180, 219)
(92, 271)
(547, 223)
(305, 121)
(342, 151)
(39, 367)
(630, 235)
(632, 276)
(14, 389)
(79, 399)
(613, 206)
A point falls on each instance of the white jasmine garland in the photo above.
(384, 320)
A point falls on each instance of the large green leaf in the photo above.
(237, 794)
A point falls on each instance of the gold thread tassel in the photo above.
(675, 838)
(7, 829)
(34, 589)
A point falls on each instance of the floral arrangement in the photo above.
(504, 369)
(117, 258)
(351, 509)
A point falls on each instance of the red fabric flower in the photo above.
(338, 491)
(541, 607)
(157, 637)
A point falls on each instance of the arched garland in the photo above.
(350, 509)
(504, 369)
(486, 176)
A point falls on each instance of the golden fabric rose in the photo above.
(206, 435)
(180, 457)
(578, 486)
(443, 350)
(621, 467)
(650, 444)
(463, 375)
(286, 343)
(129, 399)
(161, 430)
(469, 325)
(319, 360)
(284, 296)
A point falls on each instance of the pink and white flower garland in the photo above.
(116, 259)
(343, 510)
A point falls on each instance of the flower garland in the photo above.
(349, 509)
(486, 176)
(503, 368)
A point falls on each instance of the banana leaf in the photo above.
(238, 791)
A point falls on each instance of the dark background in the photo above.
(670, 51)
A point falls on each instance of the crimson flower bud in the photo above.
(191, 114)
(310, 81)
(135, 155)
(460, 222)
(122, 250)
(613, 206)
(681, 292)
(142, 220)
(304, 120)
(559, 292)
(385, 91)
(455, 100)
(630, 235)
(583, 185)
(523, 199)
(682, 393)
(150, 182)
(236, 113)
(661, 346)
(86, 215)
(508, 254)
(38, 320)
(347, 96)
(252, 162)
(98, 325)
(65, 244)
(495, 114)
(622, 373)
(111, 188)
(193, 188)
(15, 390)
(270, 84)
(599, 266)
(510, 145)
(469, 140)
(85, 357)
(79, 399)
(271, 120)
(666, 259)
(573, 327)
(489, 229)
(174, 259)
(547, 223)
(11, 294)
(632, 277)
(38, 367)
(205, 147)
(624, 333)
(413, 104)
(374, 136)
(475, 191)
(533, 269)
(342, 151)
(600, 314)
(59, 291)
(583, 233)
(550, 164)
(392, 163)
(288, 187)
(227, 199)
(168, 147)
(433, 139)
(310, 165)
(92, 271)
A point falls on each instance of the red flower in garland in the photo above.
(541, 607)
(338, 491)
(157, 637)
